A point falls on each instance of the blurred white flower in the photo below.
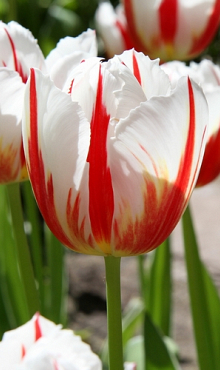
(42, 345)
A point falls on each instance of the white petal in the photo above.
(62, 72)
(213, 99)
(11, 100)
(22, 48)
(106, 18)
(153, 80)
(86, 42)
(193, 17)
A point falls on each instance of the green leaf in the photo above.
(134, 351)
(35, 238)
(11, 288)
(22, 249)
(56, 287)
(132, 319)
(157, 352)
(213, 301)
(159, 288)
(200, 298)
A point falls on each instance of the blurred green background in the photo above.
(51, 20)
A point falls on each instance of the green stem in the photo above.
(22, 249)
(142, 278)
(113, 293)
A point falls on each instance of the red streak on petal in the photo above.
(71, 86)
(23, 351)
(182, 179)
(160, 216)
(168, 13)
(185, 169)
(76, 228)
(125, 35)
(210, 168)
(136, 70)
(101, 200)
(55, 364)
(203, 41)
(17, 64)
(38, 332)
(43, 190)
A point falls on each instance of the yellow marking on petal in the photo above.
(23, 174)
(169, 52)
(105, 247)
(8, 155)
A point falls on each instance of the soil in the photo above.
(87, 305)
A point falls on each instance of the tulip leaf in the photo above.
(157, 354)
(11, 287)
(159, 288)
(132, 319)
(34, 218)
(134, 351)
(203, 300)
(22, 249)
(56, 289)
(213, 300)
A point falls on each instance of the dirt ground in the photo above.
(87, 306)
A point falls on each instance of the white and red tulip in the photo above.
(172, 29)
(19, 52)
(114, 157)
(112, 26)
(207, 75)
(42, 345)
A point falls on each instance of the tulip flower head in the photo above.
(207, 74)
(172, 29)
(19, 52)
(113, 29)
(42, 345)
(114, 156)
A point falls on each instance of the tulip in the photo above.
(113, 157)
(18, 52)
(42, 345)
(172, 29)
(207, 74)
(113, 29)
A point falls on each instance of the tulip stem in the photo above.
(114, 318)
(22, 249)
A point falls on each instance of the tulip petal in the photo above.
(61, 72)
(19, 50)
(150, 76)
(211, 26)
(210, 168)
(56, 146)
(112, 27)
(12, 162)
(157, 158)
(56, 348)
(85, 43)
